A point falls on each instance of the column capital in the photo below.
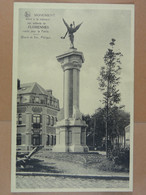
(72, 59)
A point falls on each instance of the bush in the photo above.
(121, 156)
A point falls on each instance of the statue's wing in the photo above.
(77, 27)
(67, 26)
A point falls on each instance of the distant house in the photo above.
(37, 110)
(119, 141)
(123, 140)
(127, 136)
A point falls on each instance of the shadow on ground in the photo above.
(36, 165)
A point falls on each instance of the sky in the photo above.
(36, 57)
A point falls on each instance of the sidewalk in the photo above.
(58, 184)
(84, 176)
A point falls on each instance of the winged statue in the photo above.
(70, 31)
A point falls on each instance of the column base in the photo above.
(78, 148)
(72, 148)
(60, 148)
(71, 136)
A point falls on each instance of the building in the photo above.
(123, 140)
(119, 141)
(127, 136)
(37, 112)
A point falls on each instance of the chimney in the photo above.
(18, 84)
(49, 91)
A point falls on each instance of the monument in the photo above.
(70, 128)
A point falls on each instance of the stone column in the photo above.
(71, 63)
(69, 129)
(68, 93)
(76, 87)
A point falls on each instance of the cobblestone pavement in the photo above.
(50, 182)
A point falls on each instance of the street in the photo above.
(50, 182)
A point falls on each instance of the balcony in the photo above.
(36, 125)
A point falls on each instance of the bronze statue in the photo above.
(71, 30)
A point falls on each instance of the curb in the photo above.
(107, 177)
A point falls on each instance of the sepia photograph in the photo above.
(73, 97)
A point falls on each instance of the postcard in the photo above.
(73, 97)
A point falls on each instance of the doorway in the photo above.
(36, 139)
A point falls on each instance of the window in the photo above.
(48, 140)
(51, 140)
(42, 101)
(51, 101)
(48, 101)
(18, 100)
(32, 99)
(56, 104)
(55, 120)
(36, 119)
(52, 120)
(18, 139)
(54, 140)
(36, 139)
(19, 119)
(48, 120)
(37, 100)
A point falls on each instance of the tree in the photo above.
(96, 126)
(109, 79)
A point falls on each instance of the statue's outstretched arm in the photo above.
(64, 35)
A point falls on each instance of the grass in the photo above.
(88, 160)
(47, 161)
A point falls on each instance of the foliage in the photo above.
(121, 156)
(110, 76)
(117, 123)
(109, 79)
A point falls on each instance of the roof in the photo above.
(127, 128)
(27, 88)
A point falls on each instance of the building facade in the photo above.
(37, 112)
(123, 140)
(127, 136)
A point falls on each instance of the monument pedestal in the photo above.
(71, 136)
(70, 128)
